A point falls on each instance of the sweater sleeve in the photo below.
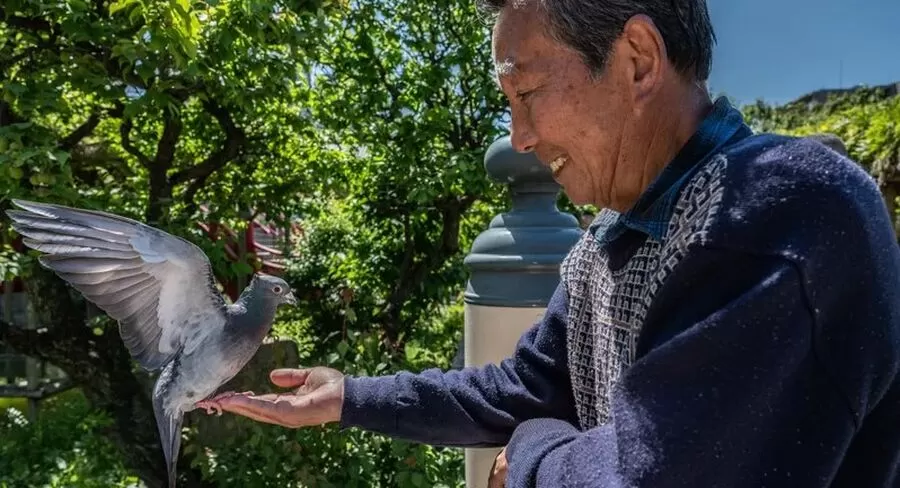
(471, 407)
(727, 391)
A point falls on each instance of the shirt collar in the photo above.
(651, 213)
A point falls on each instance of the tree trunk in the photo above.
(160, 199)
(414, 270)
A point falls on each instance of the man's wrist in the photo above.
(369, 403)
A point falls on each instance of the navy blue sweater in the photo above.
(769, 357)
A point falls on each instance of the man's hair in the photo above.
(591, 26)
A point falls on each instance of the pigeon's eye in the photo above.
(276, 289)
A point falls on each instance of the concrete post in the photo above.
(513, 269)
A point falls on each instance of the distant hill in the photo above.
(821, 96)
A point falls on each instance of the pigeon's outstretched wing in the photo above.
(159, 287)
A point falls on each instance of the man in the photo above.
(730, 319)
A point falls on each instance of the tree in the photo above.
(405, 91)
(370, 126)
(145, 108)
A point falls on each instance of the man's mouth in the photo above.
(557, 164)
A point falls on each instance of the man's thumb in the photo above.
(289, 378)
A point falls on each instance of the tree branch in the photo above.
(38, 25)
(414, 273)
(235, 138)
(125, 134)
(83, 130)
(60, 320)
(168, 142)
(30, 342)
(35, 24)
(409, 250)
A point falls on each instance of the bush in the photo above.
(63, 448)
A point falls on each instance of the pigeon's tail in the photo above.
(170, 435)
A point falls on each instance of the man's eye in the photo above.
(522, 95)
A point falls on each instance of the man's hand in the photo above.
(497, 479)
(317, 399)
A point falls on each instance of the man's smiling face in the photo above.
(572, 121)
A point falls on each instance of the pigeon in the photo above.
(161, 291)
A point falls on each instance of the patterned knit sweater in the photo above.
(756, 343)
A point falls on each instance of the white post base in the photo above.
(491, 334)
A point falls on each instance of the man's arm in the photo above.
(472, 407)
(734, 388)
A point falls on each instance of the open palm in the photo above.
(317, 398)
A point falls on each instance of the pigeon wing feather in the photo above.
(159, 287)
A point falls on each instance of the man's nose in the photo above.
(522, 136)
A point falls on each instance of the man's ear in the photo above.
(646, 54)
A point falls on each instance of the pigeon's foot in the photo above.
(212, 404)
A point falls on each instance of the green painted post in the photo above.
(513, 269)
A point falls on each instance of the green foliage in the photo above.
(11, 262)
(63, 448)
(325, 457)
(148, 107)
(366, 125)
(807, 111)
(403, 91)
(867, 120)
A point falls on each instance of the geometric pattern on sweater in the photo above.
(607, 308)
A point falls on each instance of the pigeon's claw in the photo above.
(212, 404)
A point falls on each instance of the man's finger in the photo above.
(261, 403)
(254, 415)
(259, 409)
(288, 377)
(497, 477)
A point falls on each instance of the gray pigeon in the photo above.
(160, 289)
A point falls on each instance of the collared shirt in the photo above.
(651, 213)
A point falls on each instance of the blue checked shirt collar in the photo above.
(653, 210)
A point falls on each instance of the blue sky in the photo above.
(778, 50)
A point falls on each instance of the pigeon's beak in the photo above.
(290, 298)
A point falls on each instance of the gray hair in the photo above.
(591, 26)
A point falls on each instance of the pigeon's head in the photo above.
(272, 289)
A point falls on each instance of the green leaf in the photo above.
(351, 315)
(242, 268)
(118, 5)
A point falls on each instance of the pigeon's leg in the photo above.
(209, 407)
(212, 404)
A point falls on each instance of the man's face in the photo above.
(574, 123)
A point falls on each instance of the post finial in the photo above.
(515, 262)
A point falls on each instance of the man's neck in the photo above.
(672, 121)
